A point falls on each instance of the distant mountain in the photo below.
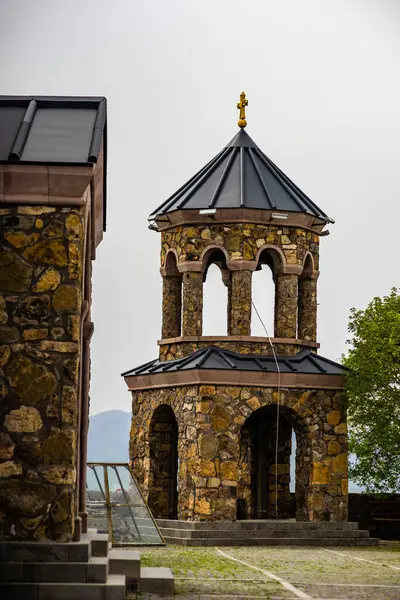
(108, 439)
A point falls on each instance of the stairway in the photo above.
(86, 569)
(263, 533)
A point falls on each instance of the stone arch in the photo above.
(272, 257)
(264, 485)
(170, 262)
(214, 254)
(163, 467)
(308, 266)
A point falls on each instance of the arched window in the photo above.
(264, 292)
(215, 295)
(163, 476)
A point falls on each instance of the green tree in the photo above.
(373, 390)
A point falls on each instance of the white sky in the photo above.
(322, 79)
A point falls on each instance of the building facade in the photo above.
(214, 417)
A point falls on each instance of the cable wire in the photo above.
(277, 409)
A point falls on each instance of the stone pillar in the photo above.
(307, 329)
(41, 281)
(192, 303)
(171, 306)
(328, 492)
(286, 306)
(240, 303)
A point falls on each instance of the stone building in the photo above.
(214, 416)
(52, 217)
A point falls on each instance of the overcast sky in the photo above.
(322, 78)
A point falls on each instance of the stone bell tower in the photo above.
(214, 416)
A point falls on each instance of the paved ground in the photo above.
(280, 573)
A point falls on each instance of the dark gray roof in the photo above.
(218, 358)
(51, 129)
(54, 130)
(241, 176)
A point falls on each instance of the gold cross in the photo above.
(242, 107)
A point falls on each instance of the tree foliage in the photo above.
(373, 390)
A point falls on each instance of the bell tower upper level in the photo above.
(239, 212)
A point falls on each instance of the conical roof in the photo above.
(241, 176)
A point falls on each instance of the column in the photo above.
(308, 309)
(240, 303)
(192, 309)
(171, 306)
(286, 296)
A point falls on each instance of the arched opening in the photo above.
(172, 298)
(307, 302)
(267, 463)
(163, 476)
(215, 294)
(264, 292)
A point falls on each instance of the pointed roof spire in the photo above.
(241, 176)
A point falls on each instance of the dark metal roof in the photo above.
(241, 176)
(51, 129)
(218, 358)
(54, 130)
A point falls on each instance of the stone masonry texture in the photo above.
(192, 300)
(308, 309)
(214, 465)
(240, 303)
(40, 310)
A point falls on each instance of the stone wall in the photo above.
(41, 279)
(173, 350)
(212, 473)
(242, 241)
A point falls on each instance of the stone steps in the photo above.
(156, 580)
(267, 533)
(88, 569)
(94, 571)
(258, 524)
(112, 589)
(254, 541)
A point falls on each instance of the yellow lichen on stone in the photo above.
(253, 402)
(202, 507)
(9, 469)
(59, 475)
(203, 406)
(35, 334)
(35, 210)
(19, 239)
(341, 429)
(334, 448)
(49, 280)
(207, 390)
(59, 447)
(220, 418)
(229, 470)
(51, 252)
(340, 463)
(321, 473)
(206, 468)
(31, 382)
(38, 223)
(73, 227)
(66, 298)
(333, 417)
(345, 486)
(75, 261)
(23, 420)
